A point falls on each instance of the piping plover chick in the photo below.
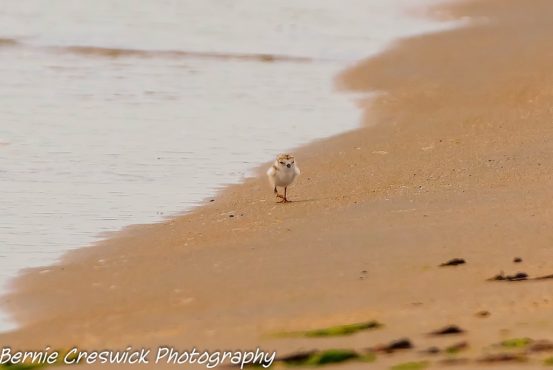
(282, 174)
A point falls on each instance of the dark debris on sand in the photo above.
(544, 277)
(453, 262)
(541, 346)
(396, 345)
(452, 349)
(519, 276)
(483, 313)
(297, 357)
(503, 357)
(432, 351)
(448, 330)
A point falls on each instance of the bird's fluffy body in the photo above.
(283, 172)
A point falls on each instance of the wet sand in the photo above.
(454, 161)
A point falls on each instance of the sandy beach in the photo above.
(454, 160)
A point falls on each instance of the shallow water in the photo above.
(123, 112)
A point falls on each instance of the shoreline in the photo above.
(159, 160)
(448, 143)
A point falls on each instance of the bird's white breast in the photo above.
(285, 176)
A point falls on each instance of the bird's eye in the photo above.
(281, 162)
(292, 162)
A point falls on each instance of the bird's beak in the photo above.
(288, 165)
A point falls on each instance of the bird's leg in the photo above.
(285, 199)
(277, 194)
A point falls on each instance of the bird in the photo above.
(283, 173)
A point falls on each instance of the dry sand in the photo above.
(455, 160)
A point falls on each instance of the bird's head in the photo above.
(285, 161)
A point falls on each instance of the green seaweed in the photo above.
(548, 361)
(516, 343)
(12, 366)
(452, 351)
(411, 366)
(456, 348)
(30, 366)
(339, 330)
(343, 329)
(329, 356)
